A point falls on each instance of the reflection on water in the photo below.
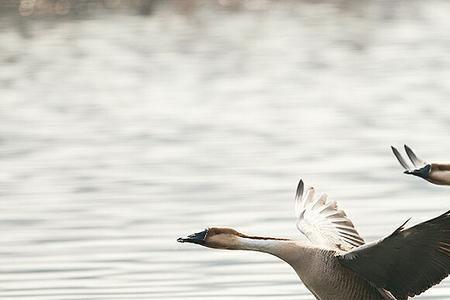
(120, 133)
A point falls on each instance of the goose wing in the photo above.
(322, 222)
(407, 262)
(419, 167)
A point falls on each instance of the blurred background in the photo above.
(126, 124)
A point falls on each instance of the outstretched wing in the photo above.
(407, 262)
(323, 222)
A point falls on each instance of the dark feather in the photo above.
(400, 158)
(413, 157)
(300, 189)
(407, 262)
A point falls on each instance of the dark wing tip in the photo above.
(412, 156)
(400, 158)
(300, 188)
(404, 223)
(400, 228)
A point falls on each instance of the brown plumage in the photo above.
(336, 264)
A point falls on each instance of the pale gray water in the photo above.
(120, 133)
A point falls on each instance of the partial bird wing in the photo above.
(323, 222)
(407, 262)
(417, 162)
(419, 167)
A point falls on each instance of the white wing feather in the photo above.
(322, 222)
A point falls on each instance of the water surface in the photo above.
(120, 133)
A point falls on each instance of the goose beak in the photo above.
(195, 238)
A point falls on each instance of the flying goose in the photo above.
(432, 172)
(336, 263)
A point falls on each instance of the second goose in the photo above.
(432, 172)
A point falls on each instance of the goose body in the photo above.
(317, 267)
(327, 279)
(337, 264)
(436, 173)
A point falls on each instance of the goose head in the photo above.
(215, 237)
